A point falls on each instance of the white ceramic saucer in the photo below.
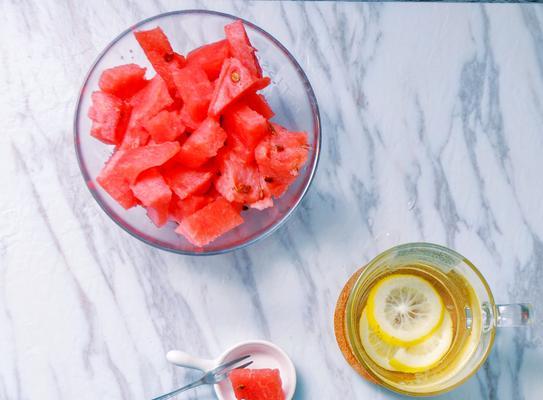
(263, 354)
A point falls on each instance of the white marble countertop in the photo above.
(432, 130)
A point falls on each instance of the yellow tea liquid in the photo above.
(461, 302)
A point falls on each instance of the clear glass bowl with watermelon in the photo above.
(289, 95)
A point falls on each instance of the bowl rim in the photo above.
(316, 121)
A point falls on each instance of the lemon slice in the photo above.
(380, 352)
(404, 309)
(425, 355)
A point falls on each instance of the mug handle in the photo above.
(513, 315)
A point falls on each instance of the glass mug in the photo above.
(466, 296)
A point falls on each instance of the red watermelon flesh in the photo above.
(135, 136)
(114, 183)
(282, 154)
(181, 61)
(234, 81)
(195, 89)
(266, 193)
(210, 222)
(241, 48)
(257, 384)
(123, 81)
(202, 144)
(258, 103)
(210, 57)
(190, 124)
(181, 209)
(106, 113)
(147, 103)
(153, 192)
(185, 182)
(135, 161)
(248, 125)
(236, 146)
(159, 51)
(239, 181)
(166, 126)
(274, 187)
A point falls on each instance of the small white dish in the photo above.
(263, 354)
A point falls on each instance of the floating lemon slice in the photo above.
(404, 310)
(425, 355)
(380, 352)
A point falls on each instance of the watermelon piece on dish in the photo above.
(166, 126)
(114, 183)
(147, 103)
(210, 222)
(195, 89)
(246, 124)
(234, 81)
(158, 50)
(123, 80)
(241, 48)
(181, 209)
(185, 182)
(139, 159)
(154, 193)
(107, 113)
(256, 384)
(202, 144)
(258, 103)
(210, 57)
(282, 154)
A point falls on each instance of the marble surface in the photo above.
(432, 130)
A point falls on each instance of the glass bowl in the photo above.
(290, 96)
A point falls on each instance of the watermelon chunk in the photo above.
(180, 209)
(150, 100)
(241, 48)
(114, 183)
(210, 222)
(195, 89)
(106, 113)
(274, 187)
(202, 144)
(185, 182)
(257, 384)
(234, 81)
(281, 155)
(158, 50)
(236, 146)
(153, 192)
(123, 80)
(210, 57)
(166, 126)
(190, 124)
(258, 103)
(147, 103)
(135, 161)
(248, 125)
(238, 181)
